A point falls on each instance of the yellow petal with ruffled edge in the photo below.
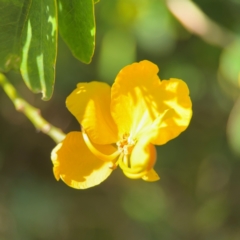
(175, 101)
(133, 103)
(143, 105)
(76, 165)
(90, 104)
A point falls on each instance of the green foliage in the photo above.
(13, 16)
(28, 37)
(39, 47)
(198, 194)
(77, 27)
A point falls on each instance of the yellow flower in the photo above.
(120, 125)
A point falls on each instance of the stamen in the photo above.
(126, 144)
(98, 154)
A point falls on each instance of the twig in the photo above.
(32, 113)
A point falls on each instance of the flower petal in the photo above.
(90, 104)
(151, 176)
(143, 105)
(133, 102)
(142, 160)
(176, 104)
(143, 156)
(76, 165)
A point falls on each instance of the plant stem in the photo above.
(32, 113)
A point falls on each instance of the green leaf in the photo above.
(96, 1)
(39, 47)
(77, 27)
(13, 14)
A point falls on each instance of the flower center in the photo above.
(125, 148)
(126, 144)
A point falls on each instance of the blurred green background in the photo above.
(198, 196)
